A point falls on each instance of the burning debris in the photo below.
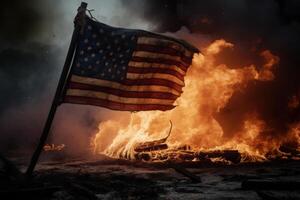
(158, 151)
(53, 147)
(153, 145)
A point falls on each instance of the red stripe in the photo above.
(122, 93)
(164, 50)
(182, 65)
(115, 105)
(153, 81)
(155, 70)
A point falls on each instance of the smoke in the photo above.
(19, 20)
(27, 72)
(34, 39)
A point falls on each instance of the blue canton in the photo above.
(104, 52)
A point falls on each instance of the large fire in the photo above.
(209, 86)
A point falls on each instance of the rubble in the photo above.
(106, 178)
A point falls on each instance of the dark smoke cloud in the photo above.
(24, 73)
(163, 13)
(27, 64)
(19, 20)
(28, 70)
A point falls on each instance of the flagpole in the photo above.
(60, 87)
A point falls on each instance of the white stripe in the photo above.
(168, 77)
(146, 54)
(116, 85)
(165, 42)
(156, 65)
(111, 97)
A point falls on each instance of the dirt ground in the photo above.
(106, 178)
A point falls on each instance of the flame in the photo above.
(208, 89)
(271, 60)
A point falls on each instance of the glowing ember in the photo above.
(208, 89)
(53, 147)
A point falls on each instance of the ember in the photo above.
(53, 147)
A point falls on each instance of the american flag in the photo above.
(126, 69)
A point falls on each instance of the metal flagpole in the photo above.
(62, 81)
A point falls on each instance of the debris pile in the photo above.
(160, 151)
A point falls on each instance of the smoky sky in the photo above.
(19, 20)
(27, 70)
(34, 37)
(26, 63)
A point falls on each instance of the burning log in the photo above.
(184, 147)
(143, 156)
(181, 155)
(153, 145)
(230, 155)
(156, 153)
(293, 151)
(158, 150)
(186, 155)
(149, 146)
(285, 152)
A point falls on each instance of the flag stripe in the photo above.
(156, 66)
(146, 54)
(115, 98)
(131, 85)
(163, 50)
(164, 42)
(122, 93)
(154, 81)
(155, 70)
(160, 60)
(168, 77)
(116, 105)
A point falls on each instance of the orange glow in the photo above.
(270, 61)
(53, 147)
(208, 89)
